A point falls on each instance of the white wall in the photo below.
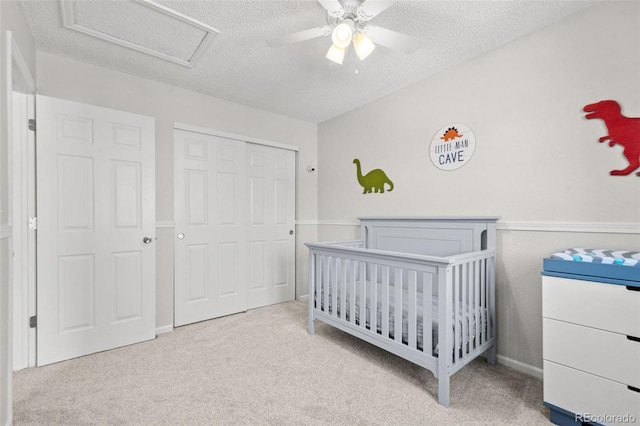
(538, 163)
(10, 20)
(76, 81)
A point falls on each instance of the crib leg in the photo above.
(312, 326)
(492, 356)
(443, 391)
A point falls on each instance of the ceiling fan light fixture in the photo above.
(363, 45)
(342, 33)
(336, 54)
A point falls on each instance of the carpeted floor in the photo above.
(263, 368)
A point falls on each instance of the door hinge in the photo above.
(32, 124)
(33, 321)
(33, 223)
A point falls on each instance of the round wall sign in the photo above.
(452, 147)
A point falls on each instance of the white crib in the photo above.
(408, 276)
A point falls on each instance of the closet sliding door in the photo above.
(235, 221)
(271, 174)
(210, 181)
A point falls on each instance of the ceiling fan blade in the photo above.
(299, 36)
(371, 8)
(333, 7)
(392, 39)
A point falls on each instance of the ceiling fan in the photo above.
(347, 21)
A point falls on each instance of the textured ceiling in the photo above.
(297, 80)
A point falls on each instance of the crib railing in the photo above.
(388, 297)
(471, 278)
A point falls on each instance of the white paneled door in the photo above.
(234, 213)
(96, 229)
(271, 257)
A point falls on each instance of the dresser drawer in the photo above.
(603, 353)
(609, 307)
(581, 393)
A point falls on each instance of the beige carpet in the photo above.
(262, 367)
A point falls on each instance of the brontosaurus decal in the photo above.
(622, 130)
(372, 181)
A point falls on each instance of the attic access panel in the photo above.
(141, 25)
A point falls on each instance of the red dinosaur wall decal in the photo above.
(622, 130)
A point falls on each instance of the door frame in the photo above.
(22, 193)
(212, 132)
(17, 164)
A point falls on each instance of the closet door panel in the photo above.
(271, 174)
(210, 214)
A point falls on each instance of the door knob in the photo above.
(147, 240)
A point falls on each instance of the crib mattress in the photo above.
(610, 266)
(467, 316)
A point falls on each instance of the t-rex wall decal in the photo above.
(622, 130)
(372, 181)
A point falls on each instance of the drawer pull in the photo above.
(633, 338)
(631, 388)
(631, 288)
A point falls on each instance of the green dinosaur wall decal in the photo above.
(372, 181)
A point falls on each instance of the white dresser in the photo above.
(591, 350)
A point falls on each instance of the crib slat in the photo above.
(373, 307)
(473, 307)
(384, 315)
(457, 317)
(353, 268)
(334, 286)
(427, 313)
(483, 303)
(464, 302)
(479, 317)
(397, 302)
(328, 283)
(363, 294)
(318, 294)
(476, 302)
(343, 288)
(317, 281)
(412, 296)
(325, 284)
(321, 282)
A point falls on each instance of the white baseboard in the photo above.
(303, 298)
(164, 329)
(520, 366)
